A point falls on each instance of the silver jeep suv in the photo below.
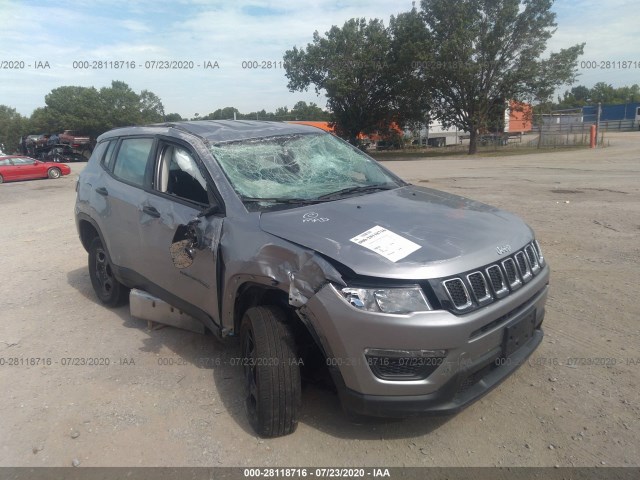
(416, 300)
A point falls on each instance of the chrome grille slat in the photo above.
(497, 281)
(512, 273)
(458, 293)
(533, 258)
(479, 287)
(536, 247)
(523, 266)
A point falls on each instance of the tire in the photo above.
(271, 372)
(54, 173)
(109, 290)
(1, 179)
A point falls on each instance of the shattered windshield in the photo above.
(301, 167)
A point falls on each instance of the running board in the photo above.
(145, 306)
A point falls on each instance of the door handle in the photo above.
(102, 191)
(151, 211)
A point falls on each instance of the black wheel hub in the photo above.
(104, 274)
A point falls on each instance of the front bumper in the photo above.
(474, 364)
(468, 385)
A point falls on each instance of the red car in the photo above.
(25, 168)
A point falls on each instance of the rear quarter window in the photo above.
(98, 152)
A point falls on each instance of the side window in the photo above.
(131, 160)
(99, 151)
(23, 161)
(108, 159)
(179, 175)
(5, 162)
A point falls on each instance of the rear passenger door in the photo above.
(120, 192)
(173, 261)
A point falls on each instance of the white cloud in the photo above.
(230, 33)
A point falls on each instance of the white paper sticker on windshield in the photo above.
(386, 243)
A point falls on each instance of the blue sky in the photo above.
(231, 32)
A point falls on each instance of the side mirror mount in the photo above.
(210, 210)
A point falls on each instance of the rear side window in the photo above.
(98, 152)
(131, 160)
(109, 157)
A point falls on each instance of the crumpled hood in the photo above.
(447, 234)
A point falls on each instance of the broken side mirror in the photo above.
(183, 246)
(188, 238)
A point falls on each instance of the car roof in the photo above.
(219, 130)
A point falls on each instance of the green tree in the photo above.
(352, 65)
(151, 108)
(12, 127)
(282, 114)
(74, 108)
(601, 92)
(410, 48)
(220, 114)
(173, 117)
(93, 112)
(42, 120)
(302, 111)
(120, 105)
(488, 50)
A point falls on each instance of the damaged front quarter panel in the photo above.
(251, 256)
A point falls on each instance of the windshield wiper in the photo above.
(299, 201)
(357, 189)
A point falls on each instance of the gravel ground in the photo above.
(575, 403)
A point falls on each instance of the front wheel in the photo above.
(271, 371)
(54, 173)
(1, 179)
(109, 290)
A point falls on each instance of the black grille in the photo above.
(496, 279)
(403, 368)
(457, 293)
(533, 258)
(510, 268)
(522, 266)
(479, 286)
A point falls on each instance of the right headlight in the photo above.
(387, 300)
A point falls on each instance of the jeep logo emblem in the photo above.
(502, 249)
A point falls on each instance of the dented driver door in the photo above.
(180, 244)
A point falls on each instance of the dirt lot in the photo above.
(576, 403)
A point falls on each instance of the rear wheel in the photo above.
(271, 371)
(1, 179)
(109, 290)
(54, 173)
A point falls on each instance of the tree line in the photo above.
(602, 92)
(451, 62)
(92, 112)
